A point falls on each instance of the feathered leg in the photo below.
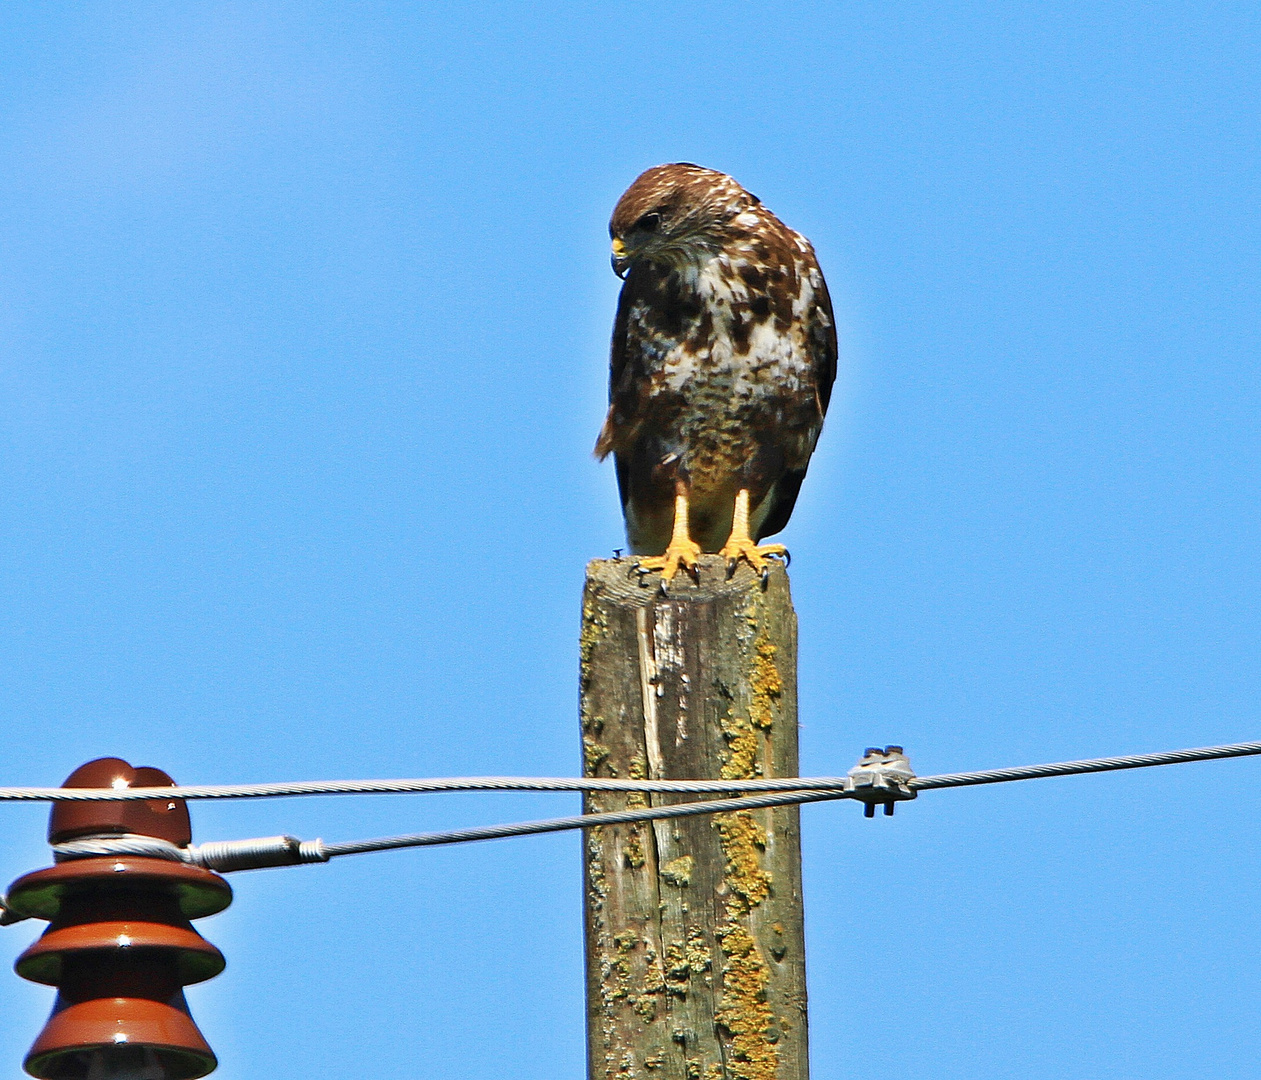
(682, 549)
(740, 545)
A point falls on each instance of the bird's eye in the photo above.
(649, 222)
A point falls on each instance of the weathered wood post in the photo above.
(695, 954)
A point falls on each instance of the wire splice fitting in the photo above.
(225, 855)
(882, 778)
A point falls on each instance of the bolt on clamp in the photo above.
(881, 777)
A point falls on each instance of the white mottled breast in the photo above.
(730, 392)
(774, 359)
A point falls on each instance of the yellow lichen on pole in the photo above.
(695, 959)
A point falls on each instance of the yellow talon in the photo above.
(681, 551)
(757, 556)
(740, 545)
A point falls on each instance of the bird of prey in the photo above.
(722, 364)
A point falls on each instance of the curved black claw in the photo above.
(766, 577)
(788, 558)
(732, 564)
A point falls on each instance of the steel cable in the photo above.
(540, 783)
(288, 851)
(417, 787)
(1089, 765)
(580, 821)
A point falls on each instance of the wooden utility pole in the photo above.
(695, 950)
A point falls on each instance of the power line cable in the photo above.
(255, 854)
(881, 778)
(582, 821)
(1089, 765)
(417, 787)
(593, 784)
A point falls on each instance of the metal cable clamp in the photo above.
(882, 777)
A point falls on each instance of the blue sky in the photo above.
(304, 313)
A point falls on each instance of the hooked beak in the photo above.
(619, 259)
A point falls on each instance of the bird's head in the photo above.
(673, 215)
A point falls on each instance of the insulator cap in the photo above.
(164, 818)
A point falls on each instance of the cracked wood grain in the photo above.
(695, 954)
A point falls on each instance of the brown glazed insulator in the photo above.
(121, 946)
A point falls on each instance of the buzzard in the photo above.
(723, 359)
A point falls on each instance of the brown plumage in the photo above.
(723, 359)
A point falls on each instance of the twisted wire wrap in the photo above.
(96, 847)
(220, 855)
